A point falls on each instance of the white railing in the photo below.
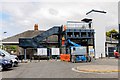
(77, 25)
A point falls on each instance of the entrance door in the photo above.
(111, 51)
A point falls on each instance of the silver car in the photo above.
(7, 56)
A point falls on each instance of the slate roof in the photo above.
(28, 34)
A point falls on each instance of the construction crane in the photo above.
(78, 53)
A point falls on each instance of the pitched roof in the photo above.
(27, 34)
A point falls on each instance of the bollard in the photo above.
(101, 55)
(56, 58)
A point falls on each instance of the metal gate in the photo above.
(111, 51)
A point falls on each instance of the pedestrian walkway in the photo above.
(97, 68)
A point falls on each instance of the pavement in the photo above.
(97, 68)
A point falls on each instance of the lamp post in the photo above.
(2, 46)
(119, 39)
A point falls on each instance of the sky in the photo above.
(21, 15)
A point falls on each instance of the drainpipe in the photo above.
(24, 53)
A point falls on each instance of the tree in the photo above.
(10, 48)
(112, 32)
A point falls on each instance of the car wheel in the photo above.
(15, 64)
(1, 68)
(73, 59)
(88, 59)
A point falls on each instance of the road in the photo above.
(58, 69)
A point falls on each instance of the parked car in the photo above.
(116, 54)
(0, 66)
(0, 63)
(7, 56)
(4, 63)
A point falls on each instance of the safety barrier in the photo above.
(65, 57)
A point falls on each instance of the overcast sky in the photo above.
(20, 16)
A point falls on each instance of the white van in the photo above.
(14, 58)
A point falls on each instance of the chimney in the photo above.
(36, 27)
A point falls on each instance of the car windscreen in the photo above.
(4, 52)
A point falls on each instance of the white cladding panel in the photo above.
(42, 51)
(55, 51)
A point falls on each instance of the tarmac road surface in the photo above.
(58, 69)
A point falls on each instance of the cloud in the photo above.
(53, 11)
(23, 15)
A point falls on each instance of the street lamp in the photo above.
(3, 39)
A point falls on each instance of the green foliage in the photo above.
(113, 31)
(11, 47)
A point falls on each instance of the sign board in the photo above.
(42, 51)
(91, 51)
(55, 51)
(78, 50)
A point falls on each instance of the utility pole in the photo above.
(119, 39)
